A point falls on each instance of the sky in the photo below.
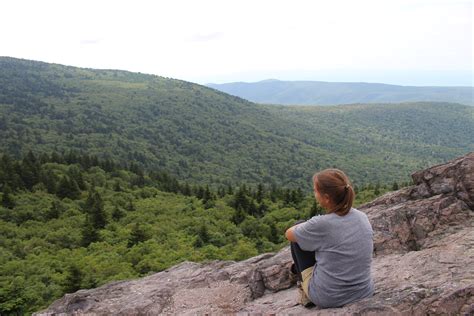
(407, 42)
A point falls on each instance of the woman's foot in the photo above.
(303, 299)
(295, 276)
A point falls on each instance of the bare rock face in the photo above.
(423, 264)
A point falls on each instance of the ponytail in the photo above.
(337, 186)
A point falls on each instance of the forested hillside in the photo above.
(332, 93)
(204, 136)
(69, 222)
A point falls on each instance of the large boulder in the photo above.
(423, 264)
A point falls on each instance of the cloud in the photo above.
(205, 37)
(91, 41)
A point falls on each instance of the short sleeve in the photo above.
(310, 235)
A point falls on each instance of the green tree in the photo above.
(239, 216)
(274, 233)
(73, 280)
(395, 186)
(49, 179)
(89, 232)
(75, 174)
(130, 206)
(94, 207)
(117, 213)
(260, 193)
(117, 187)
(244, 249)
(377, 189)
(68, 188)
(241, 201)
(137, 235)
(315, 210)
(12, 300)
(7, 199)
(203, 236)
(30, 170)
(54, 211)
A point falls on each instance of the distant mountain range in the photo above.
(207, 136)
(333, 93)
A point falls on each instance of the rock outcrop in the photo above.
(423, 264)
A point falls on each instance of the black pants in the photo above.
(302, 259)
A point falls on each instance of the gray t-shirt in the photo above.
(343, 248)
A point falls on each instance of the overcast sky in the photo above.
(411, 42)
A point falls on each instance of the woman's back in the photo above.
(343, 248)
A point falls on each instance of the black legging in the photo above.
(302, 259)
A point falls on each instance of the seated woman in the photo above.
(332, 253)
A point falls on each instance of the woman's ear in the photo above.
(327, 200)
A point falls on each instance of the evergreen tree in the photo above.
(315, 210)
(221, 192)
(72, 282)
(8, 172)
(209, 204)
(208, 198)
(288, 198)
(230, 190)
(199, 192)
(117, 187)
(117, 214)
(50, 180)
(241, 200)
(17, 173)
(55, 157)
(207, 195)
(298, 196)
(274, 234)
(130, 206)
(68, 188)
(75, 174)
(260, 193)
(94, 206)
(252, 209)
(29, 170)
(89, 232)
(274, 190)
(137, 235)
(43, 158)
(54, 211)
(239, 216)
(70, 157)
(262, 209)
(7, 199)
(202, 236)
(395, 186)
(186, 189)
(377, 189)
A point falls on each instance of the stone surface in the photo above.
(423, 264)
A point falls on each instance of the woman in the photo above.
(333, 252)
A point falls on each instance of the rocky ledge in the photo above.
(423, 264)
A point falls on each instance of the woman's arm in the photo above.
(290, 235)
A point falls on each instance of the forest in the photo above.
(205, 136)
(110, 175)
(71, 221)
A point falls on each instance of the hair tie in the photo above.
(347, 187)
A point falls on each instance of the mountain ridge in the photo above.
(204, 135)
(306, 92)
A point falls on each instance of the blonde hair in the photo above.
(338, 188)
